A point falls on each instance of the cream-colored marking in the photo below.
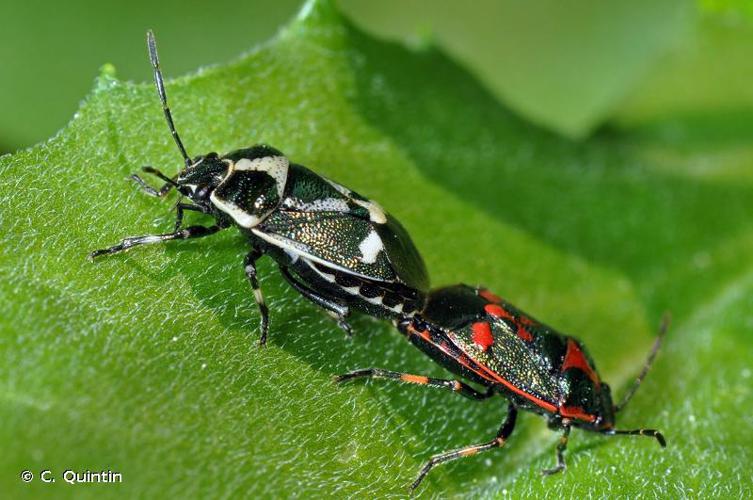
(324, 205)
(353, 290)
(327, 276)
(373, 300)
(340, 189)
(398, 308)
(370, 247)
(258, 296)
(243, 218)
(293, 255)
(275, 166)
(376, 213)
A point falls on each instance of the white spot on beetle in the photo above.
(376, 213)
(373, 300)
(370, 247)
(243, 218)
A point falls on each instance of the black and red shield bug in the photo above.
(482, 338)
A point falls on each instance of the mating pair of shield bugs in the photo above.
(343, 252)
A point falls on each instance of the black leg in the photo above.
(338, 311)
(641, 432)
(504, 432)
(250, 266)
(561, 447)
(183, 234)
(169, 182)
(452, 385)
(180, 208)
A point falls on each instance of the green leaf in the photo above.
(146, 363)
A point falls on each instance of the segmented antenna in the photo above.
(152, 45)
(647, 366)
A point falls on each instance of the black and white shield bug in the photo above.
(337, 248)
(484, 339)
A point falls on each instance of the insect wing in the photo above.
(495, 341)
(334, 239)
(504, 357)
(327, 223)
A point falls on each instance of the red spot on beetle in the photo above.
(525, 334)
(497, 311)
(489, 296)
(574, 358)
(482, 335)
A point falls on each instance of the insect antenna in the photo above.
(647, 366)
(152, 45)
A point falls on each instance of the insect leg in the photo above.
(561, 447)
(504, 432)
(339, 311)
(249, 264)
(642, 432)
(180, 208)
(183, 234)
(451, 385)
(169, 182)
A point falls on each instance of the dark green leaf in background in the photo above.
(564, 65)
(146, 363)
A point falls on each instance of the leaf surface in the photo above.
(146, 363)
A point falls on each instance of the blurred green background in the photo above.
(565, 65)
(591, 162)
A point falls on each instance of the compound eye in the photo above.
(202, 193)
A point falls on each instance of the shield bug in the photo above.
(484, 339)
(335, 247)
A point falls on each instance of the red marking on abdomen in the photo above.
(482, 335)
(576, 412)
(574, 358)
(497, 311)
(489, 296)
